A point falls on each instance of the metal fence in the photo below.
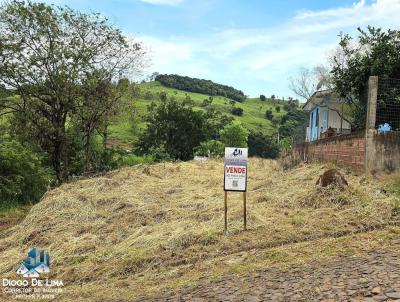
(388, 105)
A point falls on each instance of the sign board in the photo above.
(235, 175)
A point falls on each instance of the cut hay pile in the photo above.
(137, 229)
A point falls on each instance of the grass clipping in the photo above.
(138, 229)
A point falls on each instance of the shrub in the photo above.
(163, 96)
(262, 98)
(148, 95)
(237, 111)
(211, 148)
(206, 103)
(234, 135)
(22, 177)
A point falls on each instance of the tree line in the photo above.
(200, 86)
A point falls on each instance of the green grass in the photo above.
(253, 117)
(13, 209)
(393, 187)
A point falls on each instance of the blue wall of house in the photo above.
(314, 120)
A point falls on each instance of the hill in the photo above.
(139, 230)
(144, 94)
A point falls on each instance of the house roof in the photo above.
(322, 97)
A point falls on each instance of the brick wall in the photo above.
(345, 150)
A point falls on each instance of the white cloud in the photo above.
(260, 60)
(163, 2)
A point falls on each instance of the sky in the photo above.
(252, 45)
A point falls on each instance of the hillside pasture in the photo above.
(253, 117)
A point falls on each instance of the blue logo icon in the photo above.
(37, 262)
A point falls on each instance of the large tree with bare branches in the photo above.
(309, 80)
(52, 57)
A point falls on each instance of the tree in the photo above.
(22, 177)
(174, 127)
(278, 108)
(262, 146)
(307, 81)
(293, 125)
(277, 122)
(374, 52)
(47, 54)
(99, 101)
(262, 98)
(234, 135)
(269, 115)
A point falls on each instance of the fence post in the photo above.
(370, 124)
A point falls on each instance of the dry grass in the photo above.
(140, 229)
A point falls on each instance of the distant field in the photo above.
(253, 111)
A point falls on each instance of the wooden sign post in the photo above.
(235, 178)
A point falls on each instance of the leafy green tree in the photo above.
(262, 146)
(278, 108)
(234, 135)
(374, 52)
(216, 121)
(99, 102)
(22, 178)
(175, 127)
(47, 55)
(269, 115)
(262, 98)
(293, 125)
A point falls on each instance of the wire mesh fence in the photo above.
(388, 105)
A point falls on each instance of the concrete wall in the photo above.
(344, 150)
(383, 153)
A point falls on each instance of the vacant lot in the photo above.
(135, 231)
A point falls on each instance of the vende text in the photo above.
(236, 170)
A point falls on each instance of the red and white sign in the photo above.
(235, 175)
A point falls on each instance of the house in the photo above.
(329, 115)
(32, 273)
(37, 262)
(22, 269)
